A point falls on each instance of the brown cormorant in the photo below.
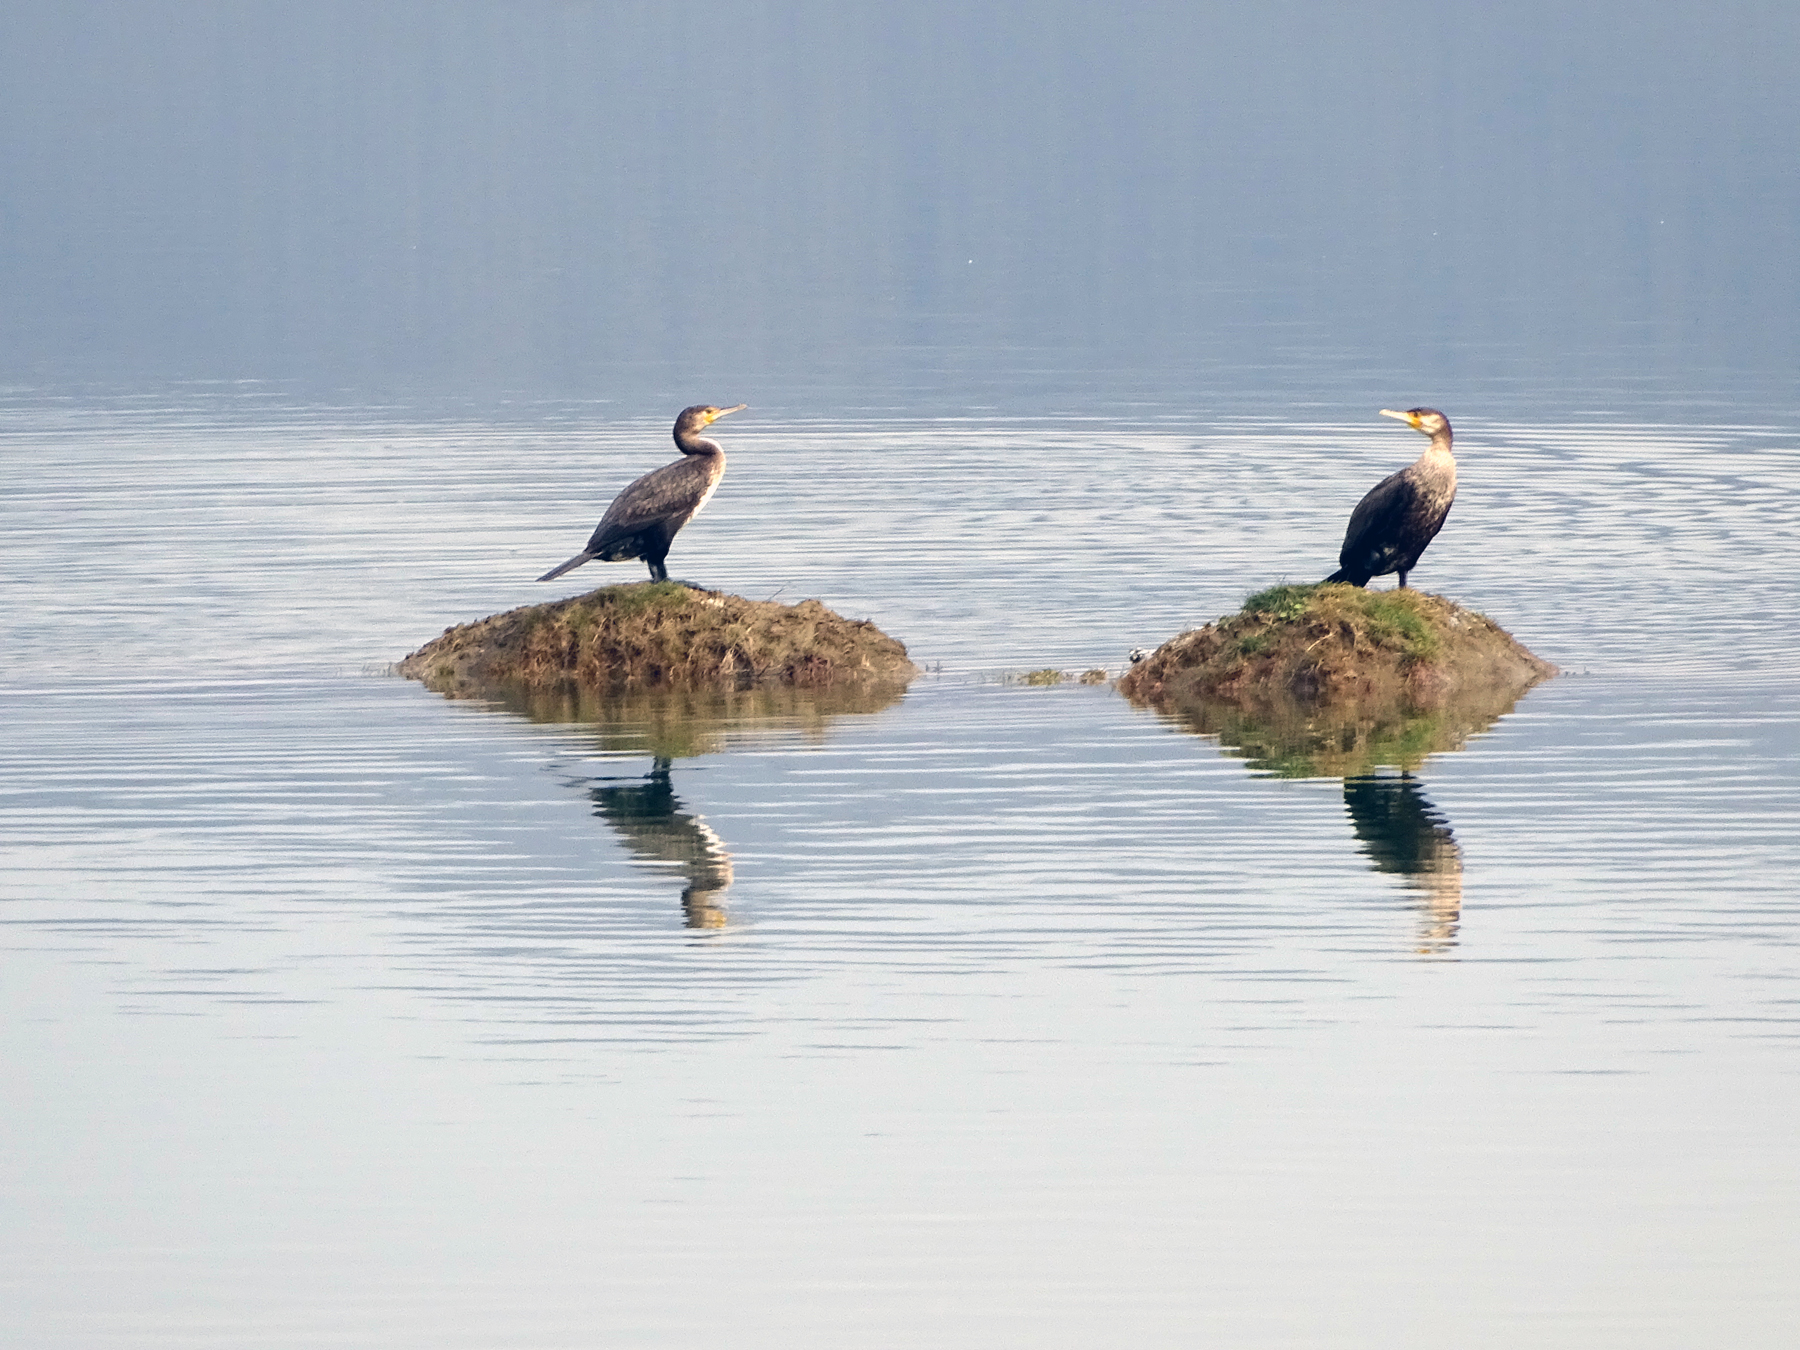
(1404, 511)
(643, 519)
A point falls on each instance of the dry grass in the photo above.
(1050, 675)
(659, 635)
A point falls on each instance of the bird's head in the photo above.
(702, 415)
(1428, 421)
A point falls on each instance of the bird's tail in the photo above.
(1345, 577)
(569, 566)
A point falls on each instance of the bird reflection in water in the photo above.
(1402, 832)
(647, 815)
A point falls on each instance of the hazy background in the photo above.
(336, 1014)
(921, 205)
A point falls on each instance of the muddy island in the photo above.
(659, 635)
(1334, 679)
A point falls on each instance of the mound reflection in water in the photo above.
(677, 724)
(1291, 738)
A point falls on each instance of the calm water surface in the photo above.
(337, 1013)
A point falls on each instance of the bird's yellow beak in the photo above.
(717, 413)
(1405, 417)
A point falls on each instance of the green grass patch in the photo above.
(1281, 602)
(1395, 623)
(626, 600)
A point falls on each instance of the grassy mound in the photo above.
(1325, 645)
(659, 635)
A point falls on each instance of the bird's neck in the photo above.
(1440, 463)
(690, 444)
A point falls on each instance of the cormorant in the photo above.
(1404, 511)
(643, 519)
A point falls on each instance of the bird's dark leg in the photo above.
(657, 571)
(1403, 581)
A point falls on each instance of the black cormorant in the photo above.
(1404, 511)
(643, 519)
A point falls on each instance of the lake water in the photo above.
(337, 1013)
